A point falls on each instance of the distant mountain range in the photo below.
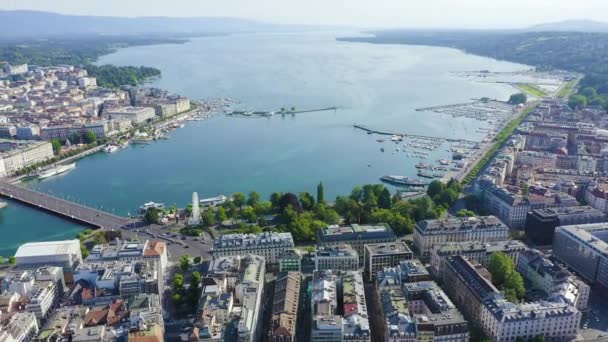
(571, 26)
(36, 24)
(23, 24)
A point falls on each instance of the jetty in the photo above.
(66, 209)
(408, 135)
(281, 111)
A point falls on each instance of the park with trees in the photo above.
(303, 215)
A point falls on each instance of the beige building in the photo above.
(18, 154)
(429, 233)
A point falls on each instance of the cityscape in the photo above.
(332, 185)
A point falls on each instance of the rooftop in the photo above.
(388, 248)
(48, 248)
(356, 231)
(454, 224)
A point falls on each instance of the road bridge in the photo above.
(70, 210)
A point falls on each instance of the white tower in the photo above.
(196, 211)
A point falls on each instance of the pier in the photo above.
(414, 136)
(282, 111)
(66, 209)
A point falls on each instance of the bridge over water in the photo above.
(70, 210)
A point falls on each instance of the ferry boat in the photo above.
(149, 205)
(141, 140)
(56, 170)
(402, 180)
(110, 148)
(424, 174)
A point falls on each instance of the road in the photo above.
(64, 208)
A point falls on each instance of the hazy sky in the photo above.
(379, 13)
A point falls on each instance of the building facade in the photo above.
(268, 245)
(429, 233)
(356, 235)
(378, 256)
(336, 258)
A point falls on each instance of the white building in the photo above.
(64, 254)
(429, 233)
(17, 155)
(43, 300)
(337, 258)
(269, 245)
(23, 327)
(137, 115)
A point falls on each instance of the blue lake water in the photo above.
(375, 85)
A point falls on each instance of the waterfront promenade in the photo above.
(70, 210)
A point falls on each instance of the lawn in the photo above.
(531, 89)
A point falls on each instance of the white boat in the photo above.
(110, 148)
(56, 170)
(149, 205)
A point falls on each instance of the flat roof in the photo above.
(388, 248)
(47, 248)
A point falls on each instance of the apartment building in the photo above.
(378, 256)
(429, 233)
(268, 245)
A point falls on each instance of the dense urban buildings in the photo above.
(583, 248)
(337, 258)
(429, 233)
(474, 251)
(268, 245)
(378, 256)
(500, 319)
(541, 223)
(285, 307)
(356, 235)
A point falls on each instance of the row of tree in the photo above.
(304, 215)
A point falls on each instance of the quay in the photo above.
(66, 209)
(415, 136)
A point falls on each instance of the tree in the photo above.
(178, 281)
(184, 262)
(435, 188)
(517, 99)
(320, 193)
(197, 260)
(177, 299)
(152, 215)
(500, 266)
(525, 189)
(221, 214)
(76, 138)
(538, 338)
(238, 198)
(275, 197)
(465, 213)
(1, 260)
(514, 283)
(56, 146)
(307, 201)
(384, 201)
(90, 137)
(357, 193)
(254, 198)
(83, 250)
(209, 218)
(577, 101)
(249, 215)
(12, 260)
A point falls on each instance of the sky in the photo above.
(358, 13)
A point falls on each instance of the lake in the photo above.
(379, 86)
